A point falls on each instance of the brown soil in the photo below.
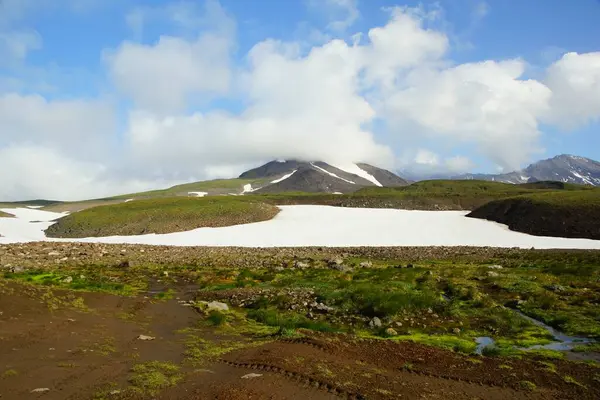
(49, 340)
(543, 219)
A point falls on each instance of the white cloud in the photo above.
(164, 76)
(486, 104)
(575, 84)
(426, 162)
(77, 126)
(426, 157)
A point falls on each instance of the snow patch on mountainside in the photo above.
(332, 174)
(283, 178)
(248, 188)
(198, 194)
(358, 171)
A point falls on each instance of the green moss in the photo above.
(217, 318)
(585, 348)
(10, 373)
(169, 294)
(570, 379)
(548, 366)
(527, 385)
(152, 377)
(161, 215)
(445, 341)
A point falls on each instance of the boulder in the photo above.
(215, 306)
(375, 323)
(366, 264)
(391, 332)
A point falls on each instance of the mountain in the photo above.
(563, 168)
(318, 176)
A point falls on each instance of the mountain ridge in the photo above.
(566, 168)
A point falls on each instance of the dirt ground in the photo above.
(85, 346)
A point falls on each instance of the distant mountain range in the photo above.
(318, 176)
(563, 168)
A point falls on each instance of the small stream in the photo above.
(563, 342)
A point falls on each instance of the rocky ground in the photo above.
(43, 254)
(95, 321)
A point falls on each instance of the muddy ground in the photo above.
(85, 346)
(64, 344)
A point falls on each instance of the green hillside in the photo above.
(574, 214)
(162, 215)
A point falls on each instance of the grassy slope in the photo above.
(222, 186)
(573, 214)
(162, 215)
(5, 215)
(426, 195)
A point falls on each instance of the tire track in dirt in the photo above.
(316, 344)
(299, 378)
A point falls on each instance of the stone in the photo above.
(557, 288)
(166, 273)
(391, 332)
(375, 323)
(251, 376)
(40, 390)
(342, 268)
(337, 261)
(366, 264)
(495, 267)
(145, 337)
(493, 274)
(399, 324)
(301, 265)
(17, 269)
(456, 331)
(216, 306)
(54, 254)
(68, 279)
(323, 307)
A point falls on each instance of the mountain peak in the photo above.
(319, 176)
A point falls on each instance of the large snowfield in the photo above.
(317, 226)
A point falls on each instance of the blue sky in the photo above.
(115, 96)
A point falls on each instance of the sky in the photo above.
(102, 97)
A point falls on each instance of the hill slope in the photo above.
(161, 215)
(574, 214)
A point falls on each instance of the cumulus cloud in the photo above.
(428, 163)
(575, 84)
(163, 77)
(482, 103)
(338, 101)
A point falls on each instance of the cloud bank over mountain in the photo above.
(192, 105)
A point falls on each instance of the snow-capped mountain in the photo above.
(563, 168)
(318, 176)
